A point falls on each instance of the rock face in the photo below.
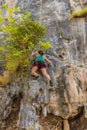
(61, 108)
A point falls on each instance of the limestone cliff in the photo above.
(28, 104)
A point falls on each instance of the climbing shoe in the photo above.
(51, 84)
(51, 87)
(35, 77)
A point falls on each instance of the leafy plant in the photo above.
(81, 13)
(60, 34)
(21, 35)
(32, 127)
(80, 65)
(71, 9)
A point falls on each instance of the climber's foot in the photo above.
(51, 87)
(35, 77)
(51, 84)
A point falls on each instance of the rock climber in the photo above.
(39, 63)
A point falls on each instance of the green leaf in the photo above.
(46, 45)
(5, 6)
(0, 12)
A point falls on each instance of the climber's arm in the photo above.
(47, 60)
(33, 54)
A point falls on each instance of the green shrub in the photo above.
(22, 35)
(81, 13)
(81, 65)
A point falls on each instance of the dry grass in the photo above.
(4, 80)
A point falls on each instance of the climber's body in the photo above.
(40, 64)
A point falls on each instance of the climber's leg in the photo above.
(44, 72)
(33, 71)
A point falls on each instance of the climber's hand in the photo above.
(50, 63)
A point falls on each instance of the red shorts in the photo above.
(40, 64)
(42, 67)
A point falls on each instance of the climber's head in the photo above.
(41, 52)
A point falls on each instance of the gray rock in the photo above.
(68, 71)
